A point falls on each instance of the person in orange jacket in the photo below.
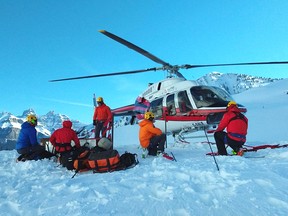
(101, 118)
(150, 137)
(236, 125)
(62, 137)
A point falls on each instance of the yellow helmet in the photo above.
(32, 119)
(99, 99)
(231, 103)
(149, 115)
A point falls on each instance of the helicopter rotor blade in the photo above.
(110, 74)
(172, 70)
(187, 66)
(134, 47)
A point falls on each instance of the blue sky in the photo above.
(42, 40)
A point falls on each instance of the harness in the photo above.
(62, 146)
(236, 117)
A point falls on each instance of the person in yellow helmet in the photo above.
(27, 144)
(101, 118)
(236, 125)
(150, 137)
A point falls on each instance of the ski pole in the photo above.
(165, 129)
(211, 150)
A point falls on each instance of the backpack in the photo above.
(67, 159)
(129, 160)
(81, 164)
(97, 149)
(104, 161)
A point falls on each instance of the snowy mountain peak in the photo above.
(234, 83)
(27, 112)
(10, 126)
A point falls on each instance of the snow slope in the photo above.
(190, 186)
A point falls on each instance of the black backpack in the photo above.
(128, 160)
(67, 159)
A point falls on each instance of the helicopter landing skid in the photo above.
(179, 138)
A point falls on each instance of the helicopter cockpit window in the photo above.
(207, 96)
(184, 102)
(170, 103)
(157, 108)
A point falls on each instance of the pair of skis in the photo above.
(245, 156)
(250, 149)
(167, 156)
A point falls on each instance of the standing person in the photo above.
(101, 118)
(27, 144)
(150, 137)
(236, 125)
(62, 137)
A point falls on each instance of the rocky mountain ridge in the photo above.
(234, 83)
(10, 126)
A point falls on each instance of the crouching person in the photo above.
(27, 144)
(150, 137)
(236, 125)
(62, 137)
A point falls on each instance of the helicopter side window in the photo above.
(184, 102)
(170, 103)
(157, 108)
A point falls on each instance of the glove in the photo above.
(95, 122)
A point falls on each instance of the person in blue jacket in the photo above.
(27, 144)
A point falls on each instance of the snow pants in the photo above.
(98, 129)
(34, 153)
(156, 144)
(221, 139)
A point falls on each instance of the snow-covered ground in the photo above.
(156, 186)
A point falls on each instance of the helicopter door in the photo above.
(170, 104)
(156, 107)
(184, 102)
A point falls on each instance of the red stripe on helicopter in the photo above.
(123, 109)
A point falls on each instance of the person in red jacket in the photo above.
(150, 137)
(236, 125)
(101, 118)
(62, 137)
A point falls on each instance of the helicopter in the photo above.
(180, 106)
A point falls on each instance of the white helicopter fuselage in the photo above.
(183, 105)
(167, 86)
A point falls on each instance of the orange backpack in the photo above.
(81, 164)
(105, 161)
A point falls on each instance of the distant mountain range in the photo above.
(234, 83)
(10, 124)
